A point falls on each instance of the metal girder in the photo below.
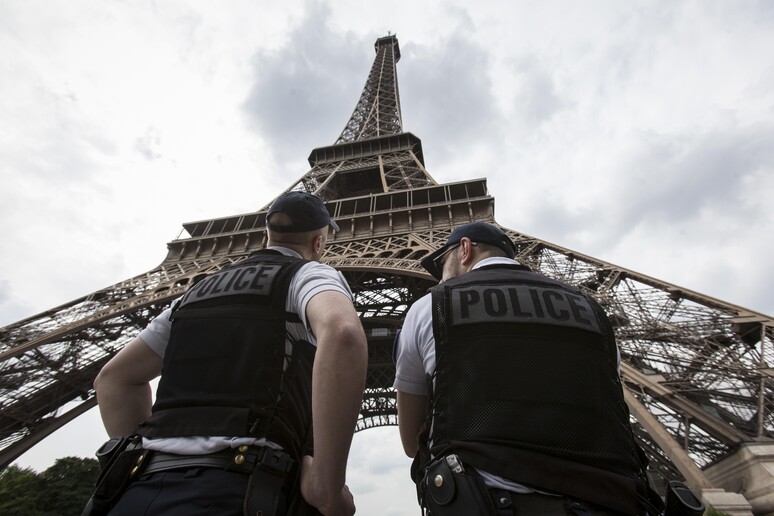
(714, 425)
(43, 430)
(672, 449)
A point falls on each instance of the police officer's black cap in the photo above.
(307, 211)
(476, 232)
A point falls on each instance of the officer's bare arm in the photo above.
(411, 416)
(123, 388)
(338, 380)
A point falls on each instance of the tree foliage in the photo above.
(20, 490)
(61, 490)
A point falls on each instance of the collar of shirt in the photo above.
(495, 260)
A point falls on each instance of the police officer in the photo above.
(508, 390)
(251, 356)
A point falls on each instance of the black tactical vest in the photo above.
(527, 386)
(227, 370)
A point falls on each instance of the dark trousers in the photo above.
(536, 504)
(191, 492)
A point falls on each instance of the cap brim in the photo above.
(428, 262)
(333, 224)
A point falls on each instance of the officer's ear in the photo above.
(467, 251)
(318, 242)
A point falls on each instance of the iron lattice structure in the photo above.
(698, 371)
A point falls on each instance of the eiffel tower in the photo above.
(697, 370)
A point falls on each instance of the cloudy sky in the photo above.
(641, 133)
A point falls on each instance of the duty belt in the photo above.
(244, 460)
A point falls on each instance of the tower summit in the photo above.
(373, 154)
(377, 113)
(697, 371)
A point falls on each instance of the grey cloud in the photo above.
(59, 143)
(10, 309)
(362, 486)
(304, 92)
(676, 179)
(387, 465)
(667, 180)
(537, 100)
(446, 95)
(149, 144)
(759, 295)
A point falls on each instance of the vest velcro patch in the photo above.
(521, 304)
(252, 280)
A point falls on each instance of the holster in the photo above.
(276, 474)
(264, 494)
(122, 460)
(454, 493)
(680, 501)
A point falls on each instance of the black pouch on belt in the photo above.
(272, 474)
(264, 494)
(451, 491)
(122, 460)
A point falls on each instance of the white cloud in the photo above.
(639, 133)
(379, 474)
